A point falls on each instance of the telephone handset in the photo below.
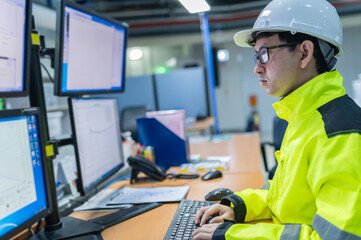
(149, 168)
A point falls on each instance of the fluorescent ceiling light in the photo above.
(195, 6)
(135, 54)
(222, 55)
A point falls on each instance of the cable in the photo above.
(38, 226)
(46, 70)
(30, 233)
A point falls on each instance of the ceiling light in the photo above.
(222, 55)
(195, 6)
(135, 54)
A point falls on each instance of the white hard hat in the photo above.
(317, 18)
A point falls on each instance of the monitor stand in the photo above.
(72, 227)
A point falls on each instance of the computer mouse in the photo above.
(212, 175)
(217, 194)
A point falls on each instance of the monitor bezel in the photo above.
(27, 54)
(79, 182)
(46, 212)
(58, 80)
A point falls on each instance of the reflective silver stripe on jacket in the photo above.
(328, 231)
(291, 232)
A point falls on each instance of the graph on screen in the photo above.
(98, 138)
(17, 184)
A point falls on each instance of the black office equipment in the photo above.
(25, 197)
(212, 175)
(140, 164)
(217, 194)
(124, 214)
(97, 140)
(15, 47)
(90, 52)
(186, 176)
(182, 224)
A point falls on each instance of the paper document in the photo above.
(203, 166)
(148, 195)
(220, 158)
(99, 202)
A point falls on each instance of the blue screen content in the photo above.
(22, 181)
(12, 45)
(93, 53)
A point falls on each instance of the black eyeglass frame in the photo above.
(258, 55)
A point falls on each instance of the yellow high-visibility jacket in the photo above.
(316, 190)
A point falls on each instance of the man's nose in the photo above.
(258, 68)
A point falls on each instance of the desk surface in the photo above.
(244, 172)
(154, 224)
(243, 148)
(201, 125)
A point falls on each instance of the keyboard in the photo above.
(182, 225)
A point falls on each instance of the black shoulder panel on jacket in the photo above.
(341, 116)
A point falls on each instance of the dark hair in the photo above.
(287, 37)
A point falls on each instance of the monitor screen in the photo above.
(90, 52)
(15, 23)
(97, 140)
(183, 89)
(24, 189)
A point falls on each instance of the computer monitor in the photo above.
(183, 89)
(15, 29)
(24, 184)
(97, 140)
(90, 52)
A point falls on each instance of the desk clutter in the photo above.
(116, 199)
(202, 166)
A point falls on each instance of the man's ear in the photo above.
(307, 49)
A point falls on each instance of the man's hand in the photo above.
(205, 232)
(218, 212)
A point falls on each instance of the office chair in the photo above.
(129, 117)
(279, 129)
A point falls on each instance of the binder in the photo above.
(170, 149)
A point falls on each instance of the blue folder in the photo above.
(170, 149)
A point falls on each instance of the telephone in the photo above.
(138, 163)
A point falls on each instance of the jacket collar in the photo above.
(310, 96)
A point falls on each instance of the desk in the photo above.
(153, 225)
(201, 125)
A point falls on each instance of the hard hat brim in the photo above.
(241, 38)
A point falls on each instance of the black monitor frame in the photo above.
(46, 212)
(60, 46)
(27, 52)
(80, 184)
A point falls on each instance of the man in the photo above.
(316, 191)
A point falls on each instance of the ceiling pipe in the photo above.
(342, 8)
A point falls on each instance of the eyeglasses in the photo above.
(263, 56)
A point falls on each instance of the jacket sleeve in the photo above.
(334, 177)
(256, 204)
(249, 204)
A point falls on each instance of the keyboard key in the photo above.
(182, 224)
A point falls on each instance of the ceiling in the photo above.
(165, 17)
